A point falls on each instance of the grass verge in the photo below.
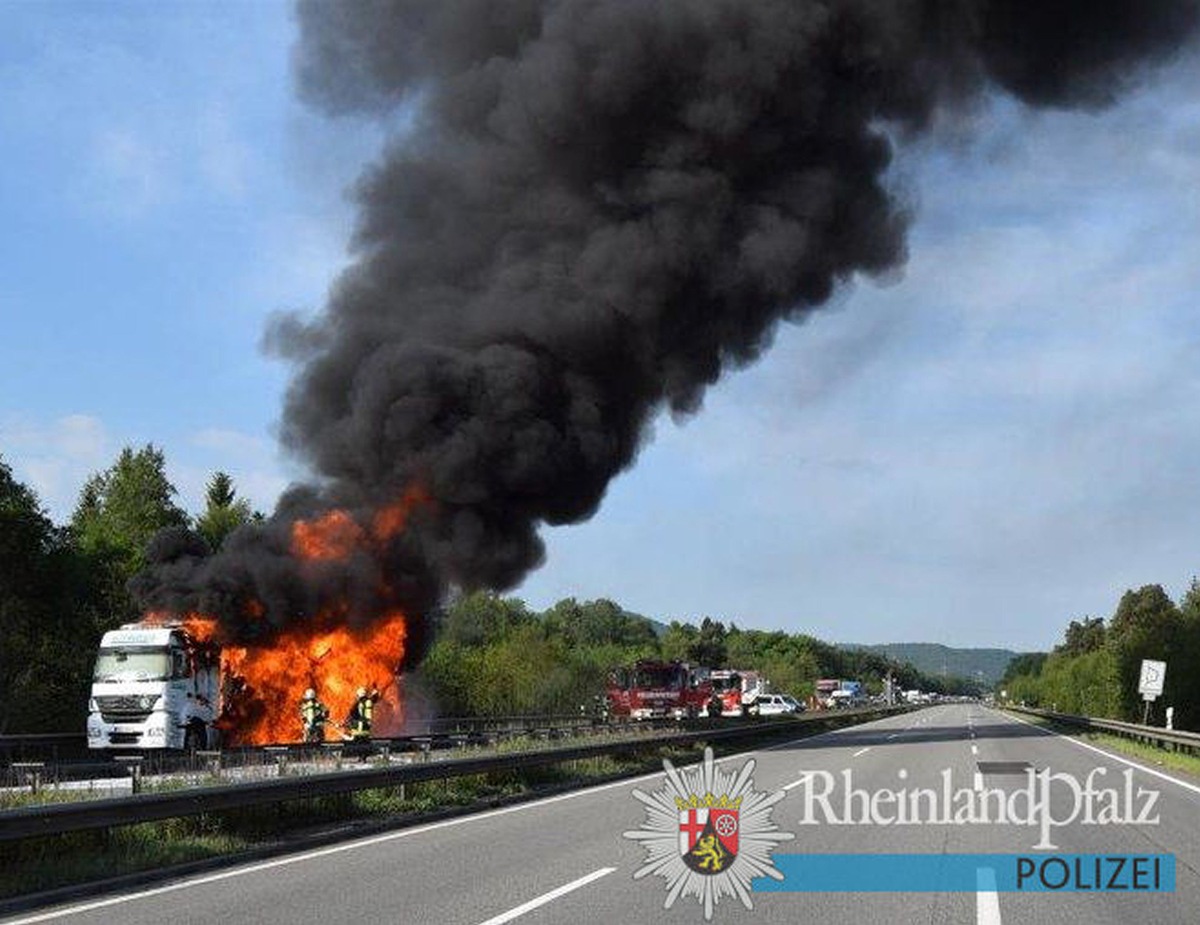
(1153, 755)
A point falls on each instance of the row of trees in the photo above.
(61, 587)
(493, 655)
(1095, 670)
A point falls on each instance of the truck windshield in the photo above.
(668, 678)
(133, 665)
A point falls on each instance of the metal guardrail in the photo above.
(1151, 735)
(452, 729)
(61, 818)
(53, 745)
(61, 766)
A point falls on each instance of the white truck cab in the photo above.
(154, 687)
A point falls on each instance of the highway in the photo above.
(564, 859)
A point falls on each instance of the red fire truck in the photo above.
(736, 691)
(650, 690)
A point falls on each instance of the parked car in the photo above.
(777, 704)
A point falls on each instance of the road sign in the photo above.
(1150, 684)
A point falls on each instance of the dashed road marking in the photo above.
(987, 902)
(548, 897)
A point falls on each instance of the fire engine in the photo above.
(735, 691)
(650, 690)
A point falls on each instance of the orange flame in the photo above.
(335, 535)
(391, 520)
(264, 685)
(332, 536)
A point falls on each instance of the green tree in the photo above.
(1083, 636)
(1027, 664)
(481, 617)
(600, 623)
(224, 512)
(677, 641)
(1147, 624)
(45, 636)
(708, 649)
(1186, 680)
(119, 511)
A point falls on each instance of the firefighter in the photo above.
(313, 714)
(361, 714)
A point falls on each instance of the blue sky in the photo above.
(998, 440)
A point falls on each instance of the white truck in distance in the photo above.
(154, 687)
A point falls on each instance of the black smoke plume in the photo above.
(587, 212)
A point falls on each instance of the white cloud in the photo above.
(56, 457)
(253, 461)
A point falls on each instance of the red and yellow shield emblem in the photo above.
(708, 837)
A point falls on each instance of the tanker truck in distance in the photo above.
(154, 687)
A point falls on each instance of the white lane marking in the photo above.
(1108, 754)
(861, 751)
(548, 897)
(987, 902)
(974, 749)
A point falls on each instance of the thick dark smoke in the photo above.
(593, 210)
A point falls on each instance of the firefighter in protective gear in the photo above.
(313, 714)
(362, 714)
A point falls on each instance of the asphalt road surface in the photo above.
(564, 859)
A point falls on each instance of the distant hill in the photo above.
(933, 659)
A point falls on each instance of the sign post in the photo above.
(1150, 684)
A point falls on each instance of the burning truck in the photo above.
(169, 683)
(186, 678)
